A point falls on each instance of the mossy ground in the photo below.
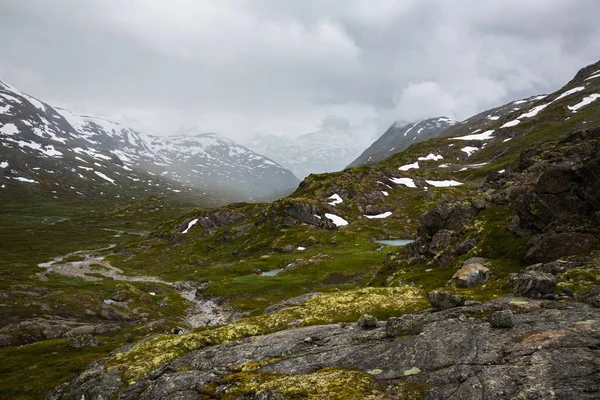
(35, 229)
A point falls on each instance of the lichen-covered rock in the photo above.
(471, 275)
(444, 300)
(532, 283)
(367, 321)
(405, 325)
(552, 353)
(502, 319)
(85, 340)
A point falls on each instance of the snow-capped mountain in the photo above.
(38, 140)
(326, 150)
(207, 158)
(401, 135)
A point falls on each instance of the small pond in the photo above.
(393, 242)
(272, 272)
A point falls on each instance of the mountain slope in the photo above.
(208, 159)
(399, 136)
(222, 170)
(326, 150)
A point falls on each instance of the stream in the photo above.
(202, 310)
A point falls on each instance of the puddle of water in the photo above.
(190, 296)
(393, 242)
(272, 272)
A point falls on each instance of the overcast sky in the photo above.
(281, 66)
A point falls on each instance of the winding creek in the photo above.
(202, 311)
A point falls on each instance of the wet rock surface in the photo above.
(551, 353)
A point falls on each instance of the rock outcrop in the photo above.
(552, 352)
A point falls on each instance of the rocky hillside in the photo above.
(43, 144)
(399, 137)
(496, 297)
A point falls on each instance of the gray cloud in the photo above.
(280, 66)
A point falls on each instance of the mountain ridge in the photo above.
(220, 164)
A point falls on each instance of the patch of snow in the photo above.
(407, 167)
(592, 77)
(21, 179)
(4, 109)
(469, 150)
(300, 248)
(50, 151)
(502, 171)
(9, 129)
(4, 164)
(534, 111)
(410, 129)
(336, 199)
(569, 92)
(444, 165)
(404, 181)
(432, 157)
(493, 117)
(480, 136)
(379, 216)
(511, 123)
(443, 183)
(192, 223)
(586, 100)
(338, 221)
(386, 194)
(507, 140)
(520, 101)
(101, 175)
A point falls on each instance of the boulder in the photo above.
(405, 325)
(471, 275)
(532, 283)
(444, 300)
(550, 247)
(287, 249)
(367, 321)
(81, 330)
(6, 340)
(55, 331)
(85, 340)
(502, 319)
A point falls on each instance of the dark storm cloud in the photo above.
(281, 66)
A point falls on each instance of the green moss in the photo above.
(580, 279)
(327, 383)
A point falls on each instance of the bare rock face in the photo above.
(550, 247)
(470, 275)
(552, 352)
